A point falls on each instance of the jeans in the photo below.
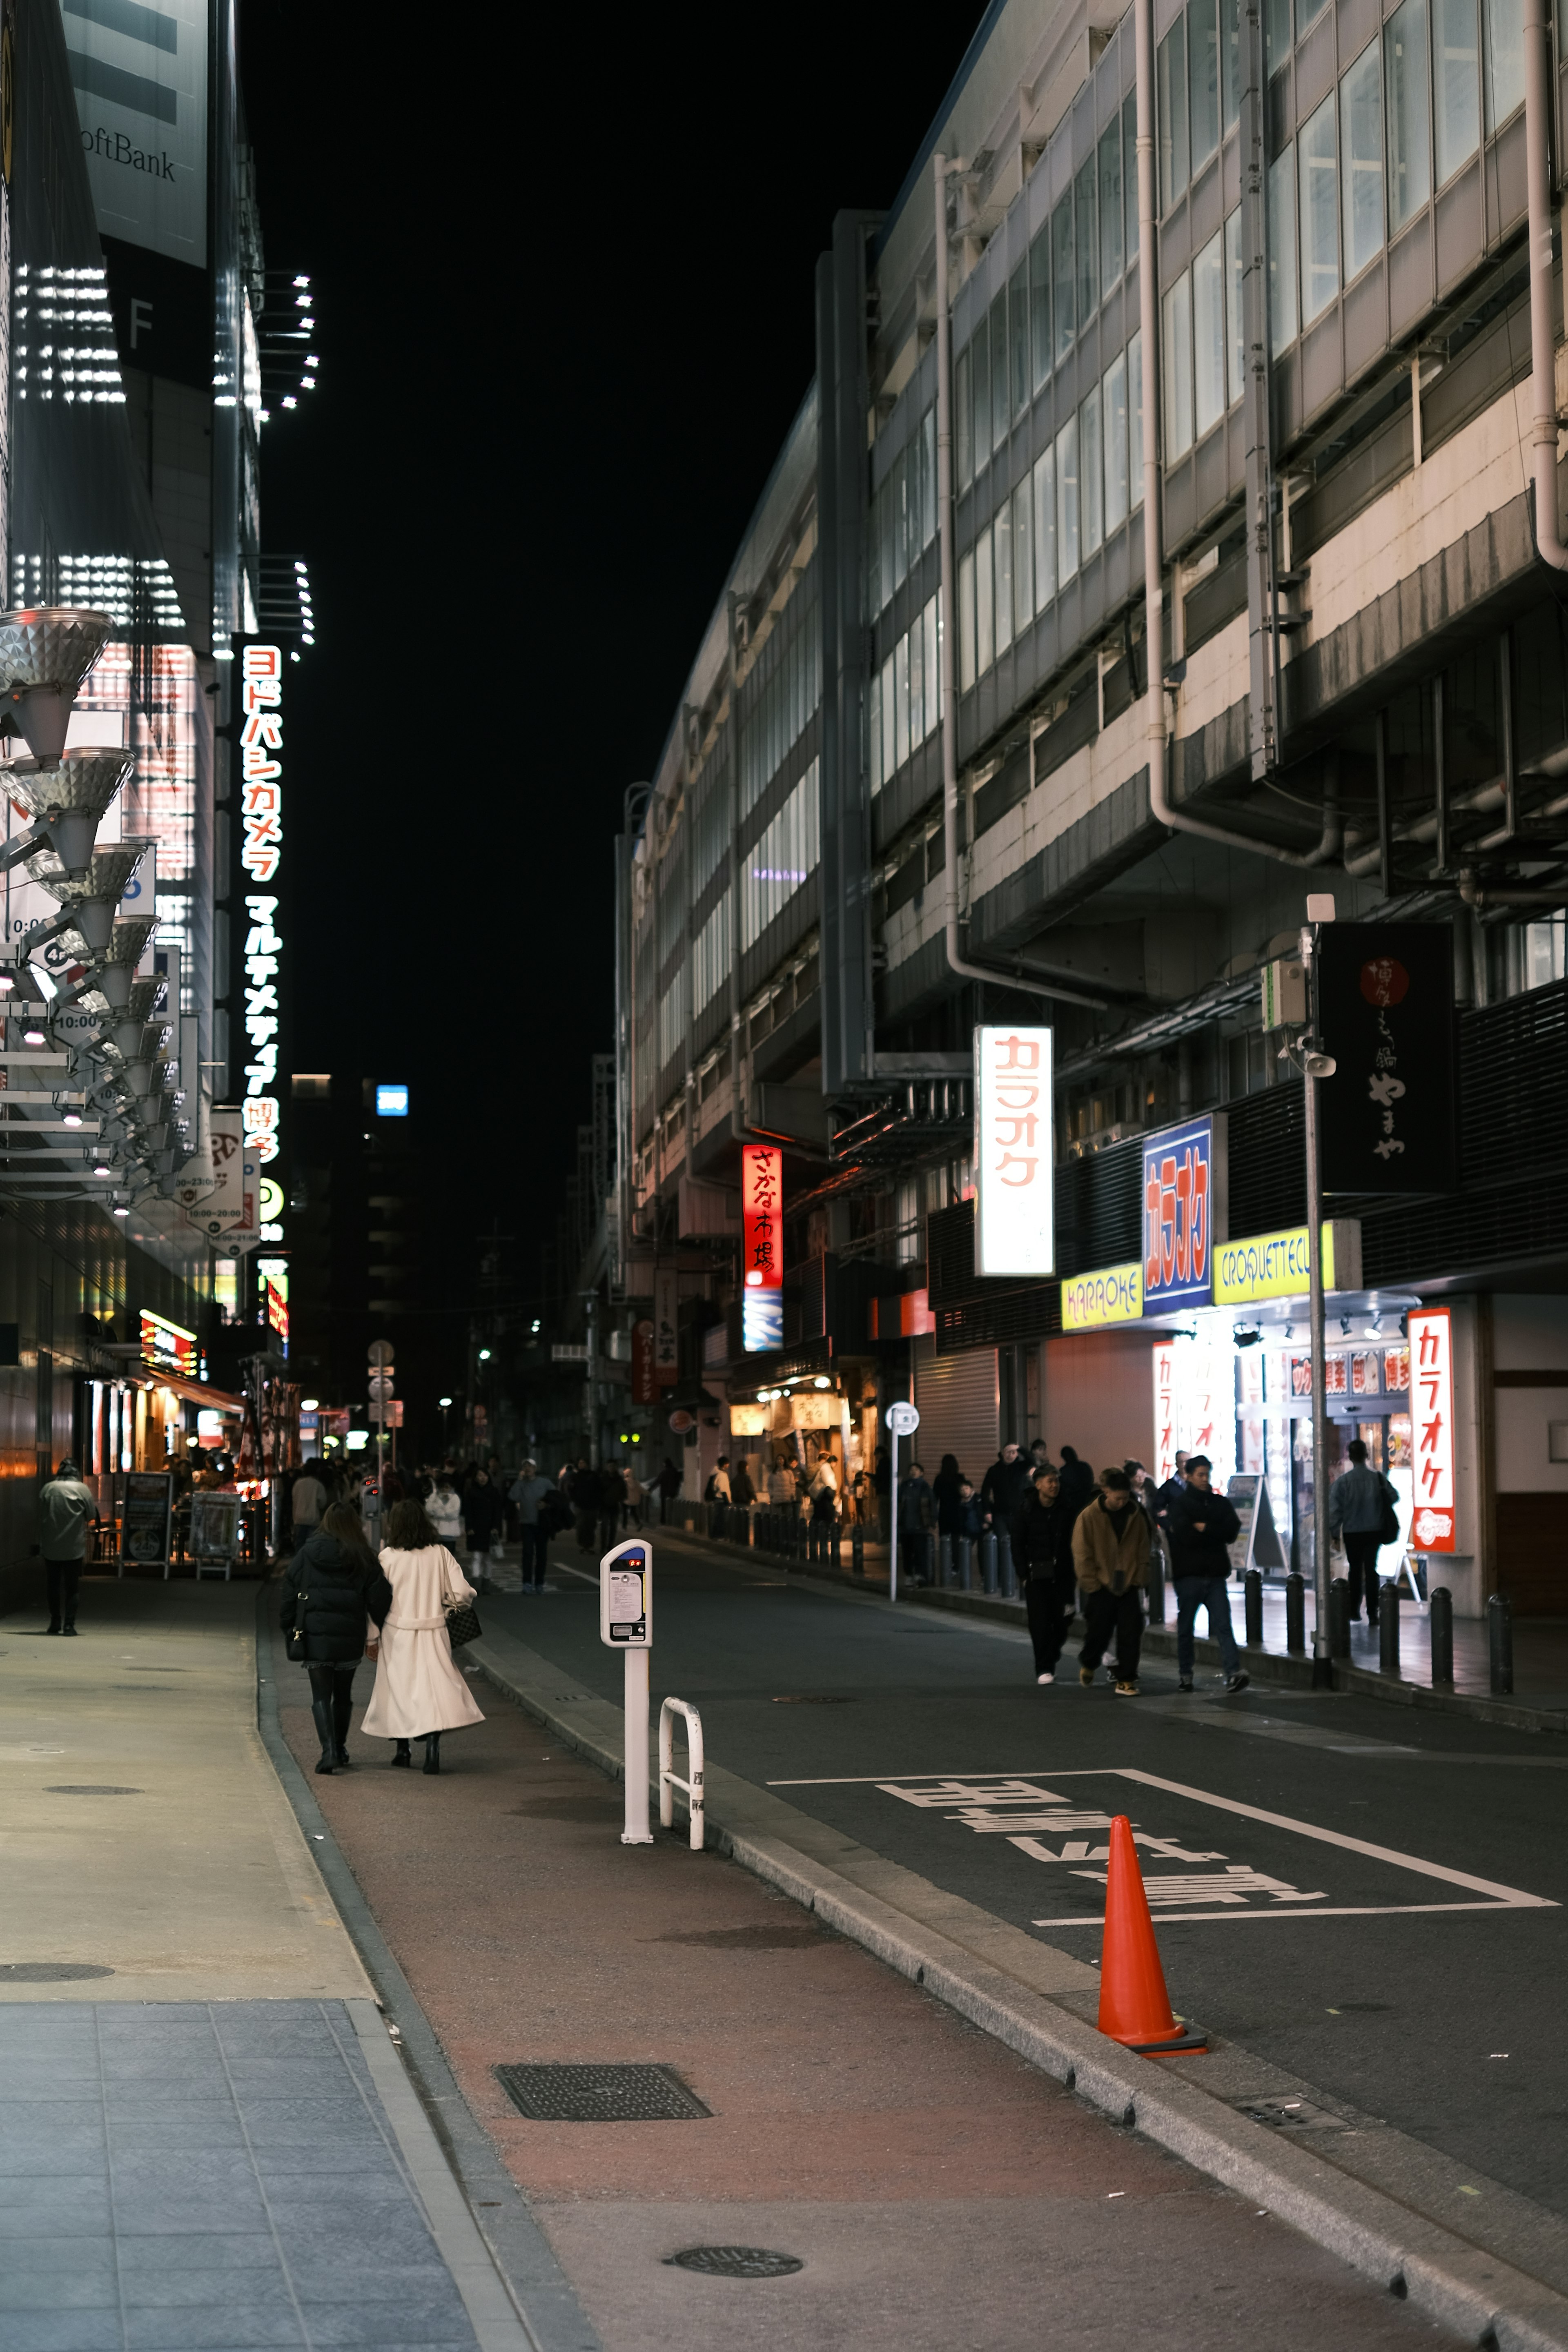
(64, 1581)
(1105, 1612)
(1360, 1559)
(1210, 1592)
(1049, 1607)
(535, 1544)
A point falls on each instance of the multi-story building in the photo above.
(1320, 353)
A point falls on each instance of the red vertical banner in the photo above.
(645, 1376)
(1433, 1522)
(762, 1217)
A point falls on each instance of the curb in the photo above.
(1450, 2278)
(541, 2306)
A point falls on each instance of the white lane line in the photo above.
(1293, 1911)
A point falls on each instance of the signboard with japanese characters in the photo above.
(1165, 1438)
(666, 1330)
(1183, 1213)
(1385, 1013)
(1433, 1519)
(1015, 1228)
(644, 1385)
(761, 1214)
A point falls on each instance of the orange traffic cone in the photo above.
(1134, 2007)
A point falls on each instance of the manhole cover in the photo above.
(49, 1971)
(736, 2261)
(600, 2094)
(1292, 2115)
(810, 1698)
(90, 1789)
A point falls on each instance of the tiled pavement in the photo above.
(195, 2177)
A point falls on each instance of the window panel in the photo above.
(963, 420)
(1230, 61)
(1066, 502)
(1113, 392)
(1236, 342)
(980, 393)
(916, 642)
(1307, 13)
(1505, 59)
(928, 477)
(1282, 251)
(984, 605)
(1110, 206)
(1361, 144)
(900, 701)
(1405, 89)
(1202, 78)
(967, 622)
(1135, 404)
(1043, 483)
(1041, 304)
(932, 662)
(1171, 141)
(898, 518)
(1018, 335)
(1318, 148)
(1002, 536)
(999, 419)
(1129, 178)
(1209, 335)
(1276, 34)
(1178, 341)
(890, 693)
(875, 577)
(1456, 84)
(784, 858)
(1088, 246)
(874, 762)
(1023, 560)
(1063, 277)
(1091, 476)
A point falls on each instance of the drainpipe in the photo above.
(1040, 984)
(1542, 331)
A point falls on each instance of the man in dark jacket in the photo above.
(68, 1508)
(335, 1584)
(1004, 1489)
(1042, 1554)
(1077, 1481)
(1199, 1526)
(484, 1515)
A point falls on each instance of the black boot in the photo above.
(432, 1751)
(342, 1710)
(400, 1754)
(321, 1708)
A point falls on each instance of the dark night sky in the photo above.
(561, 340)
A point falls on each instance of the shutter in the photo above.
(957, 1399)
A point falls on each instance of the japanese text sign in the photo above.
(1432, 1520)
(1165, 1410)
(762, 1217)
(1385, 1013)
(1014, 1152)
(1183, 1185)
(666, 1331)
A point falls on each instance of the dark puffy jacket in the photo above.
(1205, 1553)
(484, 1512)
(1042, 1540)
(329, 1593)
(1004, 1489)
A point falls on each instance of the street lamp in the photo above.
(1306, 1051)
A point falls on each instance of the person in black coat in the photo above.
(1042, 1554)
(484, 1515)
(335, 1585)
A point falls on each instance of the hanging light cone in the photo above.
(74, 792)
(96, 894)
(116, 965)
(45, 651)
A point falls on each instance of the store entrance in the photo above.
(1385, 1436)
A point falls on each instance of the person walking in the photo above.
(1077, 1481)
(334, 1589)
(66, 1509)
(668, 1484)
(1042, 1554)
(308, 1499)
(1111, 1561)
(915, 1517)
(631, 1516)
(946, 1491)
(484, 1515)
(1200, 1526)
(420, 1692)
(527, 1495)
(1359, 1500)
(1005, 1488)
(446, 1510)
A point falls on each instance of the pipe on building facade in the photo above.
(1542, 327)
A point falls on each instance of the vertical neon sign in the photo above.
(762, 1213)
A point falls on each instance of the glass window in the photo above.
(1023, 560)
(1063, 279)
(1203, 77)
(1041, 304)
(967, 622)
(1178, 341)
(1316, 146)
(1018, 335)
(999, 418)
(1456, 84)
(1043, 482)
(984, 605)
(1002, 534)
(980, 361)
(1113, 396)
(1135, 436)
(1360, 142)
(1066, 502)
(874, 730)
(928, 477)
(876, 591)
(916, 644)
(1282, 251)
(1230, 60)
(962, 422)
(902, 701)
(1276, 34)
(1129, 177)
(1410, 143)
(1171, 140)
(898, 518)
(1209, 335)
(1110, 206)
(1088, 246)
(931, 660)
(1236, 345)
(1505, 59)
(1091, 474)
(1307, 13)
(889, 715)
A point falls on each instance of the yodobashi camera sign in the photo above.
(1014, 1152)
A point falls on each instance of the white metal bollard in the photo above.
(668, 1780)
(626, 1623)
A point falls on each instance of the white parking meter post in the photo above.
(903, 1422)
(626, 1623)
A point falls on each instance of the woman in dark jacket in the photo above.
(945, 1494)
(335, 1585)
(484, 1515)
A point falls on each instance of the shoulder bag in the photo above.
(462, 1620)
(1388, 1525)
(297, 1631)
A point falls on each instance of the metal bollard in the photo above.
(1008, 1575)
(1441, 1628)
(1253, 1606)
(1499, 1641)
(965, 1564)
(1156, 1582)
(858, 1549)
(988, 1562)
(1388, 1627)
(1295, 1612)
(1339, 1618)
(944, 1561)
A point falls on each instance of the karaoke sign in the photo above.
(1184, 1214)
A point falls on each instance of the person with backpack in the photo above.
(1200, 1527)
(1362, 1512)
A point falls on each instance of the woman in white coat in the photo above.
(420, 1692)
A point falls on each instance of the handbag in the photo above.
(1388, 1525)
(297, 1632)
(462, 1620)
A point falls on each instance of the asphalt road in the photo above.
(1368, 1897)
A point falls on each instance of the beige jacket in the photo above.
(1099, 1556)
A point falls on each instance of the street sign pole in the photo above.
(626, 1623)
(904, 1420)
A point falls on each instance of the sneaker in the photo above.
(1045, 1678)
(1086, 1676)
(1186, 1683)
(1238, 1681)
(1127, 1690)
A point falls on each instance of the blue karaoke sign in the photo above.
(1184, 1186)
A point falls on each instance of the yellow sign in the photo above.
(1113, 1295)
(1274, 1265)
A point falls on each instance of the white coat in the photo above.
(417, 1688)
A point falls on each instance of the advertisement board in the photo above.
(1015, 1223)
(1275, 1265)
(1385, 1010)
(1183, 1213)
(665, 1327)
(141, 81)
(1434, 1519)
(1113, 1295)
(169, 1346)
(144, 1528)
(762, 1217)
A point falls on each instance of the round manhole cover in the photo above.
(89, 1789)
(736, 2261)
(49, 1971)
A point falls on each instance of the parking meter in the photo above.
(626, 1623)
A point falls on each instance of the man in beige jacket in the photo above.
(1110, 1557)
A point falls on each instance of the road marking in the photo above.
(1344, 1911)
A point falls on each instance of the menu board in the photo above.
(145, 1529)
(214, 1527)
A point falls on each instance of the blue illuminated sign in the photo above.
(391, 1102)
(1184, 1214)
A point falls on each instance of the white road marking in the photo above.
(1344, 1911)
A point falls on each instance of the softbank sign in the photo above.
(140, 80)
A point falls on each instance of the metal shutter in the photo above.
(959, 1406)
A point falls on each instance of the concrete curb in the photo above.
(547, 2315)
(1452, 2280)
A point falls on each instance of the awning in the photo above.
(193, 1391)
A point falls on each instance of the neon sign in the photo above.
(261, 854)
(762, 1212)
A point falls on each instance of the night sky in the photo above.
(566, 306)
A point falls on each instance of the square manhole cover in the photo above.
(600, 2094)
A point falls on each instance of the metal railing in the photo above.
(668, 1780)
